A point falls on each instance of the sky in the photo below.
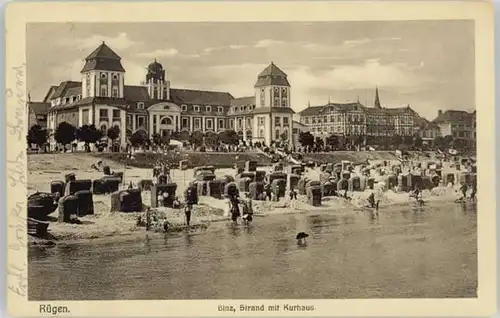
(426, 64)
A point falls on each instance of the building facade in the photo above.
(101, 98)
(355, 119)
(456, 123)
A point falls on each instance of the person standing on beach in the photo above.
(292, 201)
(187, 211)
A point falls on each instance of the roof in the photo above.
(117, 102)
(317, 110)
(50, 94)
(103, 65)
(243, 101)
(103, 51)
(453, 116)
(39, 108)
(272, 75)
(195, 97)
(64, 87)
(272, 70)
(267, 110)
(135, 93)
(103, 58)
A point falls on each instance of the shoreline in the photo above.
(202, 223)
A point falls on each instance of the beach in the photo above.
(46, 168)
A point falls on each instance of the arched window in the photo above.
(261, 133)
(104, 128)
(277, 136)
(166, 121)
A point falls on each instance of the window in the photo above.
(306, 120)
(114, 92)
(129, 120)
(240, 123)
(196, 108)
(103, 114)
(185, 123)
(261, 121)
(140, 121)
(104, 91)
(197, 123)
(221, 123)
(277, 121)
(285, 121)
(231, 124)
(277, 134)
(208, 109)
(104, 129)
(116, 113)
(210, 124)
(104, 75)
(115, 77)
(66, 100)
(220, 109)
(262, 97)
(140, 105)
(184, 108)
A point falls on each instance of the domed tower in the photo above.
(158, 86)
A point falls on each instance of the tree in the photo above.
(448, 141)
(157, 140)
(211, 140)
(408, 140)
(319, 143)
(113, 133)
(229, 137)
(65, 133)
(360, 140)
(438, 142)
(417, 142)
(88, 134)
(196, 138)
(139, 138)
(284, 136)
(396, 140)
(37, 135)
(306, 139)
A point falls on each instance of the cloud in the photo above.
(159, 53)
(267, 43)
(119, 42)
(237, 46)
(67, 71)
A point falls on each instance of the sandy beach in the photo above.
(46, 168)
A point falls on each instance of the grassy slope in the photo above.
(77, 161)
(218, 160)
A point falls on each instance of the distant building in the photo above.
(355, 119)
(457, 123)
(102, 99)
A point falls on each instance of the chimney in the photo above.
(440, 112)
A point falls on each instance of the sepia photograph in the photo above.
(251, 160)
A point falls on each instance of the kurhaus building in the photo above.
(103, 99)
(355, 119)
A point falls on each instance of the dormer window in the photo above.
(208, 109)
(66, 100)
(104, 75)
(184, 108)
(115, 77)
(220, 109)
(140, 105)
(196, 108)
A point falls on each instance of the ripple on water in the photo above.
(407, 252)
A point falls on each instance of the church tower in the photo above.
(158, 86)
(103, 74)
(377, 99)
(272, 88)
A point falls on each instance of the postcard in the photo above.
(186, 159)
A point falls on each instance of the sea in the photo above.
(408, 252)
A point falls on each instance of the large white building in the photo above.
(103, 99)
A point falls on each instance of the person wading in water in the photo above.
(235, 209)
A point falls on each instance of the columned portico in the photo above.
(165, 116)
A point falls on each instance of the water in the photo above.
(414, 252)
